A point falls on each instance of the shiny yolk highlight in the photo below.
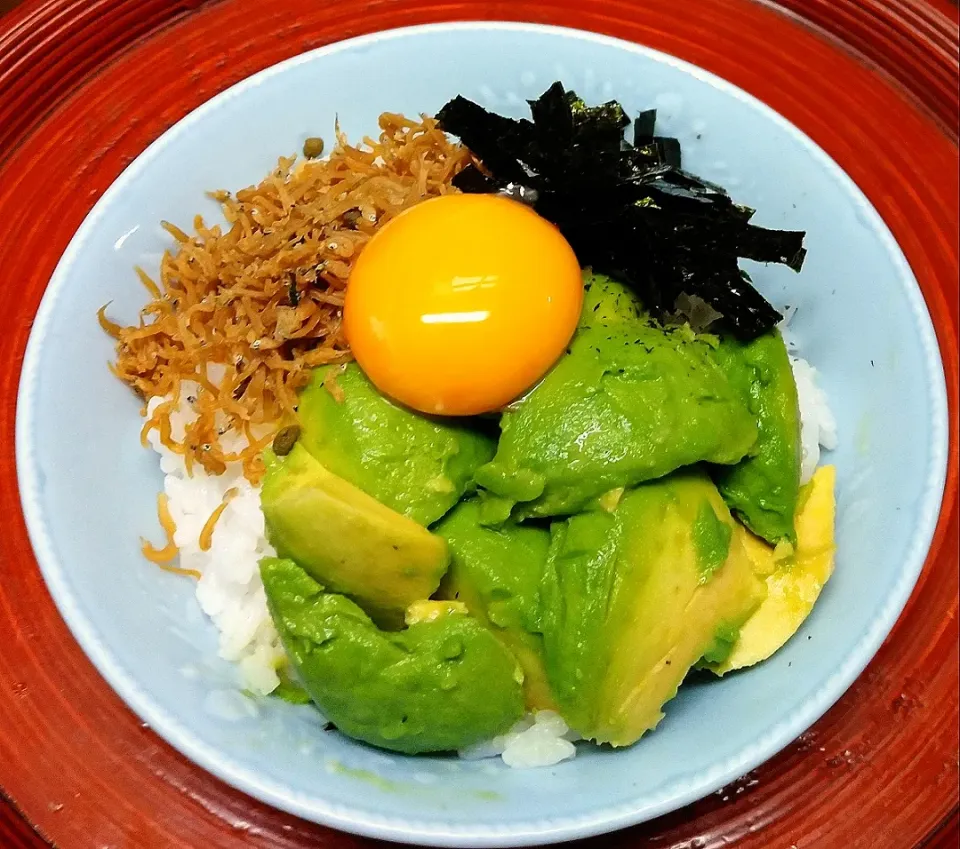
(461, 303)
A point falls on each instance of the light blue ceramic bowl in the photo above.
(89, 488)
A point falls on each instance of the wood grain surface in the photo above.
(85, 85)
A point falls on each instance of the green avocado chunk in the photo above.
(711, 539)
(347, 540)
(418, 465)
(608, 301)
(634, 596)
(762, 490)
(496, 573)
(435, 686)
(630, 401)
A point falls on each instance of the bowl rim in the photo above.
(535, 832)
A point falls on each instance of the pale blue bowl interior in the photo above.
(89, 489)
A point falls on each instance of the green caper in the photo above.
(313, 147)
(285, 439)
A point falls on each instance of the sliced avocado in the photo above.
(725, 637)
(762, 490)
(441, 684)
(794, 578)
(431, 609)
(711, 537)
(417, 465)
(630, 401)
(291, 691)
(496, 573)
(344, 538)
(631, 600)
(608, 301)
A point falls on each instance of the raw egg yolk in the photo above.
(461, 303)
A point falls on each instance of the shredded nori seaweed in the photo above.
(628, 210)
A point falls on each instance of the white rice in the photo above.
(230, 591)
(231, 594)
(818, 427)
(539, 739)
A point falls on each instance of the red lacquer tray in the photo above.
(85, 85)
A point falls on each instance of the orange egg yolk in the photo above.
(461, 303)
